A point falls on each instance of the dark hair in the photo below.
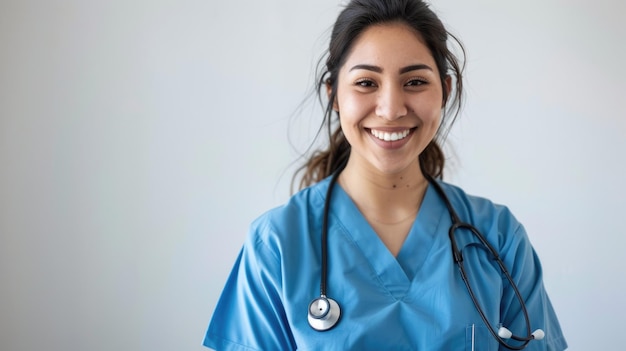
(357, 16)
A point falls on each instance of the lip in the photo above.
(392, 144)
(390, 129)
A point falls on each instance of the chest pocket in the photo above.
(478, 338)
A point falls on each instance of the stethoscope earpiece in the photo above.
(324, 313)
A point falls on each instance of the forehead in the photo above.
(392, 44)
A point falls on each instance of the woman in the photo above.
(387, 273)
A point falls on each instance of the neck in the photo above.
(385, 198)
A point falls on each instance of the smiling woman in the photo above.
(374, 224)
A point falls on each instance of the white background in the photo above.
(138, 139)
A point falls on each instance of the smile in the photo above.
(390, 136)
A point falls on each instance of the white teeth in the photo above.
(386, 136)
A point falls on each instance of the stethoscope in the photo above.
(324, 312)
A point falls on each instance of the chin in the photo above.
(398, 168)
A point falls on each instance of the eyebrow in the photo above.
(402, 70)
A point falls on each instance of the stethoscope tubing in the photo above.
(320, 324)
(458, 259)
(324, 239)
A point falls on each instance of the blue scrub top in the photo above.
(415, 301)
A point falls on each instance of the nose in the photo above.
(391, 103)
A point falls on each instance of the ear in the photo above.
(329, 90)
(448, 89)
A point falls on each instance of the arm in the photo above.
(525, 268)
(249, 314)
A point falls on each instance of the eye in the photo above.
(365, 83)
(416, 82)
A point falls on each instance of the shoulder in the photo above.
(477, 207)
(305, 202)
(291, 222)
(496, 220)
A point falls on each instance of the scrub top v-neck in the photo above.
(415, 301)
(396, 273)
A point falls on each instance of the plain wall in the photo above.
(138, 140)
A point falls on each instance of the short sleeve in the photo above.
(525, 268)
(249, 314)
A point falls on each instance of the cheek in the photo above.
(351, 108)
(429, 114)
(429, 108)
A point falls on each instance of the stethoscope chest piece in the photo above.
(324, 313)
